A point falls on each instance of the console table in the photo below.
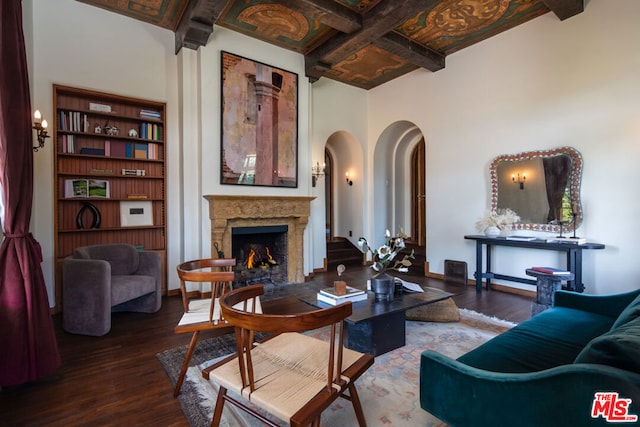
(573, 251)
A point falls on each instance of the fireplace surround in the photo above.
(227, 212)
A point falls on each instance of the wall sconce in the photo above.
(349, 181)
(519, 179)
(40, 126)
(317, 171)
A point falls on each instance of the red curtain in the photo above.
(28, 348)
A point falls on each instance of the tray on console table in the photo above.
(572, 250)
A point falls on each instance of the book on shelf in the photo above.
(521, 238)
(134, 172)
(68, 144)
(93, 151)
(150, 114)
(86, 188)
(331, 292)
(335, 301)
(550, 270)
(140, 151)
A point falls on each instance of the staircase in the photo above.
(417, 264)
(342, 251)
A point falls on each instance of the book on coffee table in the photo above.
(335, 301)
(331, 292)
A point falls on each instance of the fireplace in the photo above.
(260, 253)
(230, 212)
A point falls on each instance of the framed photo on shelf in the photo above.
(259, 124)
(136, 213)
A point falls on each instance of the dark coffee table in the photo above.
(376, 327)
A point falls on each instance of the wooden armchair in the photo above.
(291, 376)
(202, 314)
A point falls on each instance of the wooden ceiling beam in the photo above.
(564, 9)
(411, 51)
(327, 12)
(196, 23)
(380, 20)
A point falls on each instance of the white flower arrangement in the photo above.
(501, 218)
(386, 254)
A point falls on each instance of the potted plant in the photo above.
(495, 222)
(384, 258)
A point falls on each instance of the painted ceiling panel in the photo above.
(363, 43)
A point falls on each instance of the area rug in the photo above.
(388, 390)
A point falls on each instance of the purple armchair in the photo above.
(97, 280)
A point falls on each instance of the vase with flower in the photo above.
(384, 259)
(496, 222)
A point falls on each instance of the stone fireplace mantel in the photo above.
(227, 212)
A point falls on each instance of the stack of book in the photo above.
(150, 114)
(331, 297)
(550, 270)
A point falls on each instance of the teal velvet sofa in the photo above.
(547, 370)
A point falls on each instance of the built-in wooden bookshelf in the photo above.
(117, 145)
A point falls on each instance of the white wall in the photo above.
(83, 46)
(340, 122)
(542, 85)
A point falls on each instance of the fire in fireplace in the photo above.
(260, 253)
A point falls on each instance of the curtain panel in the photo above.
(28, 347)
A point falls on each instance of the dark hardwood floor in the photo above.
(117, 380)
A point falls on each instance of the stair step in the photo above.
(342, 251)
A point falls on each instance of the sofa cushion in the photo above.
(551, 338)
(125, 288)
(632, 311)
(619, 348)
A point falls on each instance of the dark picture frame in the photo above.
(259, 124)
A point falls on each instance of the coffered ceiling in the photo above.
(363, 43)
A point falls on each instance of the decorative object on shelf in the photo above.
(384, 258)
(492, 231)
(95, 223)
(500, 219)
(103, 108)
(516, 178)
(136, 213)
(133, 133)
(111, 131)
(317, 172)
(349, 181)
(97, 128)
(40, 126)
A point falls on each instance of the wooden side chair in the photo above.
(202, 314)
(291, 376)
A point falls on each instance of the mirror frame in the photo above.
(574, 184)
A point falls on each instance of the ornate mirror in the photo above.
(542, 187)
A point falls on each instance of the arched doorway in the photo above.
(418, 196)
(398, 180)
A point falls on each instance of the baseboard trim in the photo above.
(494, 286)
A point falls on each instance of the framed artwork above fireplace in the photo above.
(259, 124)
